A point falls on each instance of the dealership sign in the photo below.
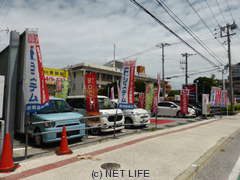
(126, 98)
(35, 89)
(92, 107)
(184, 101)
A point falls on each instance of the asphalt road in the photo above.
(221, 165)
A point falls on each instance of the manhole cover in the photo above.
(110, 166)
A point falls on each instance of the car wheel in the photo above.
(128, 123)
(179, 114)
(38, 138)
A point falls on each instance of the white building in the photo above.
(106, 74)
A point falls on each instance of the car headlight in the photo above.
(49, 124)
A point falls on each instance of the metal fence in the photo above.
(115, 125)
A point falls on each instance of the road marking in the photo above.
(54, 165)
(235, 171)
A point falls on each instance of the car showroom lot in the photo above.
(34, 152)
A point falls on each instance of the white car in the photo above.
(106, 108)
(134, 117)
(168, 108)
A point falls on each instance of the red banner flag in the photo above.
(141, 103)
(184, 101)
(91, 94)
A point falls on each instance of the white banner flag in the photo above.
(34, 85)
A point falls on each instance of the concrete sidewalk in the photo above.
(163, 154)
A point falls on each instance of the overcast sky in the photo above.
(75, 31)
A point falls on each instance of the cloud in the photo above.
(77, 31)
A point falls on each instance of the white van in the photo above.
(135, 117)
(106, 108)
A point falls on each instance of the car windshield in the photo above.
(105, 103)
(56, 106)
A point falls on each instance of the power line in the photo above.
(220, 11)
(229, 10)
(213, 15)
(205, 24)
(144, 51)
(171, 31)
(192, 73)
(188, 30)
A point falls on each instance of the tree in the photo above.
(172, 93)
(205, 84)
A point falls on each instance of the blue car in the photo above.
(50, 121)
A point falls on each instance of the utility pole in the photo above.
(186, 55)
(162, 45)
(226, 30)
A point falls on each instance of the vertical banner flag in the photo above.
(118, 89)
(58, 85)
(112, 93)
(149, 96)
(126, 98)
(155, 101)
(184, 101)
(35, 88)
(64, 90)
(216, 97)
(156, 95)
(205, 104)
(141, 100)
(92, 107)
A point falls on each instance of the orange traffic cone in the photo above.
(63, 149)
(6, 163)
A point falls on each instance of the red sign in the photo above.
(91, 94)
(192, 92)
(184, 101)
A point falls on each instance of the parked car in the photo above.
(58, 109)
(196, 107)
(134, 117)
(106, 108)
(168, 108)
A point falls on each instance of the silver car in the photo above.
(168, 108)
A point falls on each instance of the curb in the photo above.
(199, 164)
